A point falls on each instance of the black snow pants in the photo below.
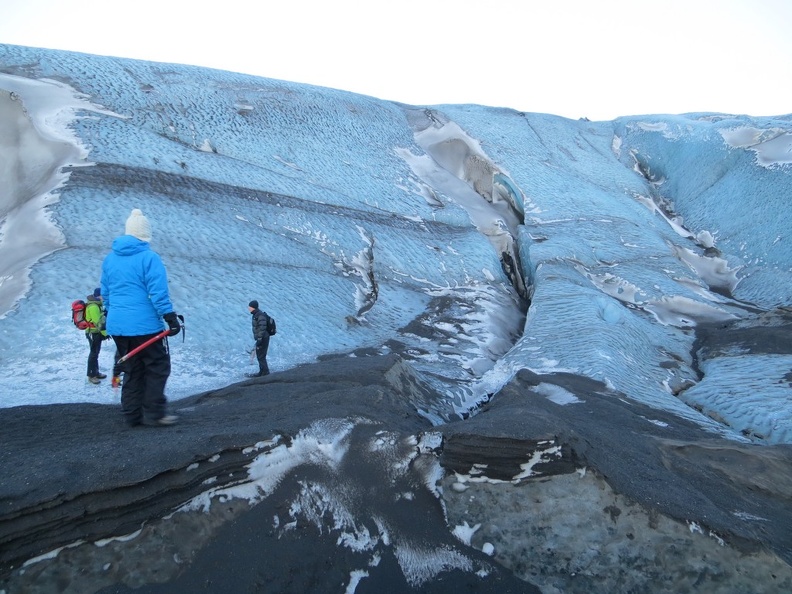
(95, 342)
(262, 346)
(145, 375)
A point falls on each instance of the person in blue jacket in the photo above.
(134, 289)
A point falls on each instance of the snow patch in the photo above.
(420, 564)
(465, 532)
(773, 146)
(557, 394)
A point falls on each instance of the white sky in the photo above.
(594, 58)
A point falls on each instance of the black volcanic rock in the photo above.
(324, 478)
(718, 500)
(85, 477)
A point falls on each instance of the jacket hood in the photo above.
(127, 245)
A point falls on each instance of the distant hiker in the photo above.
(263, 328)
(95, 333)
(135, 291)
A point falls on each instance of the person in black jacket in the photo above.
(261, 336)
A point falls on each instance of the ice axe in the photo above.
(117, 367)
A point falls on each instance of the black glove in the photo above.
(173, 323)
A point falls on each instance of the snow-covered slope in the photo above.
(364, 225)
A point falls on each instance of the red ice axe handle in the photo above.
(116, 368)
(139, 348)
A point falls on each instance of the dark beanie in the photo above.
(253, 304)
(97, 292)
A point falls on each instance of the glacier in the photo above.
(476, 243)
(390, 223)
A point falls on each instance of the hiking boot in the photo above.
(101, 375)
(93, 380)
(165, 421)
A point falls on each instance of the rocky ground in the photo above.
(557, 485)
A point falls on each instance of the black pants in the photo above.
(95, 342)
(145, 375)
(262, 346)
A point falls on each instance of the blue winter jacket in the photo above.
(134, 288)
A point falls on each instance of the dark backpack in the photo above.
(78, 314)
(271, 329)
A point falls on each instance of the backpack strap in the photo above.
(95, 319)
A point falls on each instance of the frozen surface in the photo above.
(367, 226)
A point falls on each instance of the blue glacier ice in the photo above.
(474, 241)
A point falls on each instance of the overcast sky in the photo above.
(594, 58)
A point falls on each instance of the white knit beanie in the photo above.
(138, 226)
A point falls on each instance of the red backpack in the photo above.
(78, 315)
